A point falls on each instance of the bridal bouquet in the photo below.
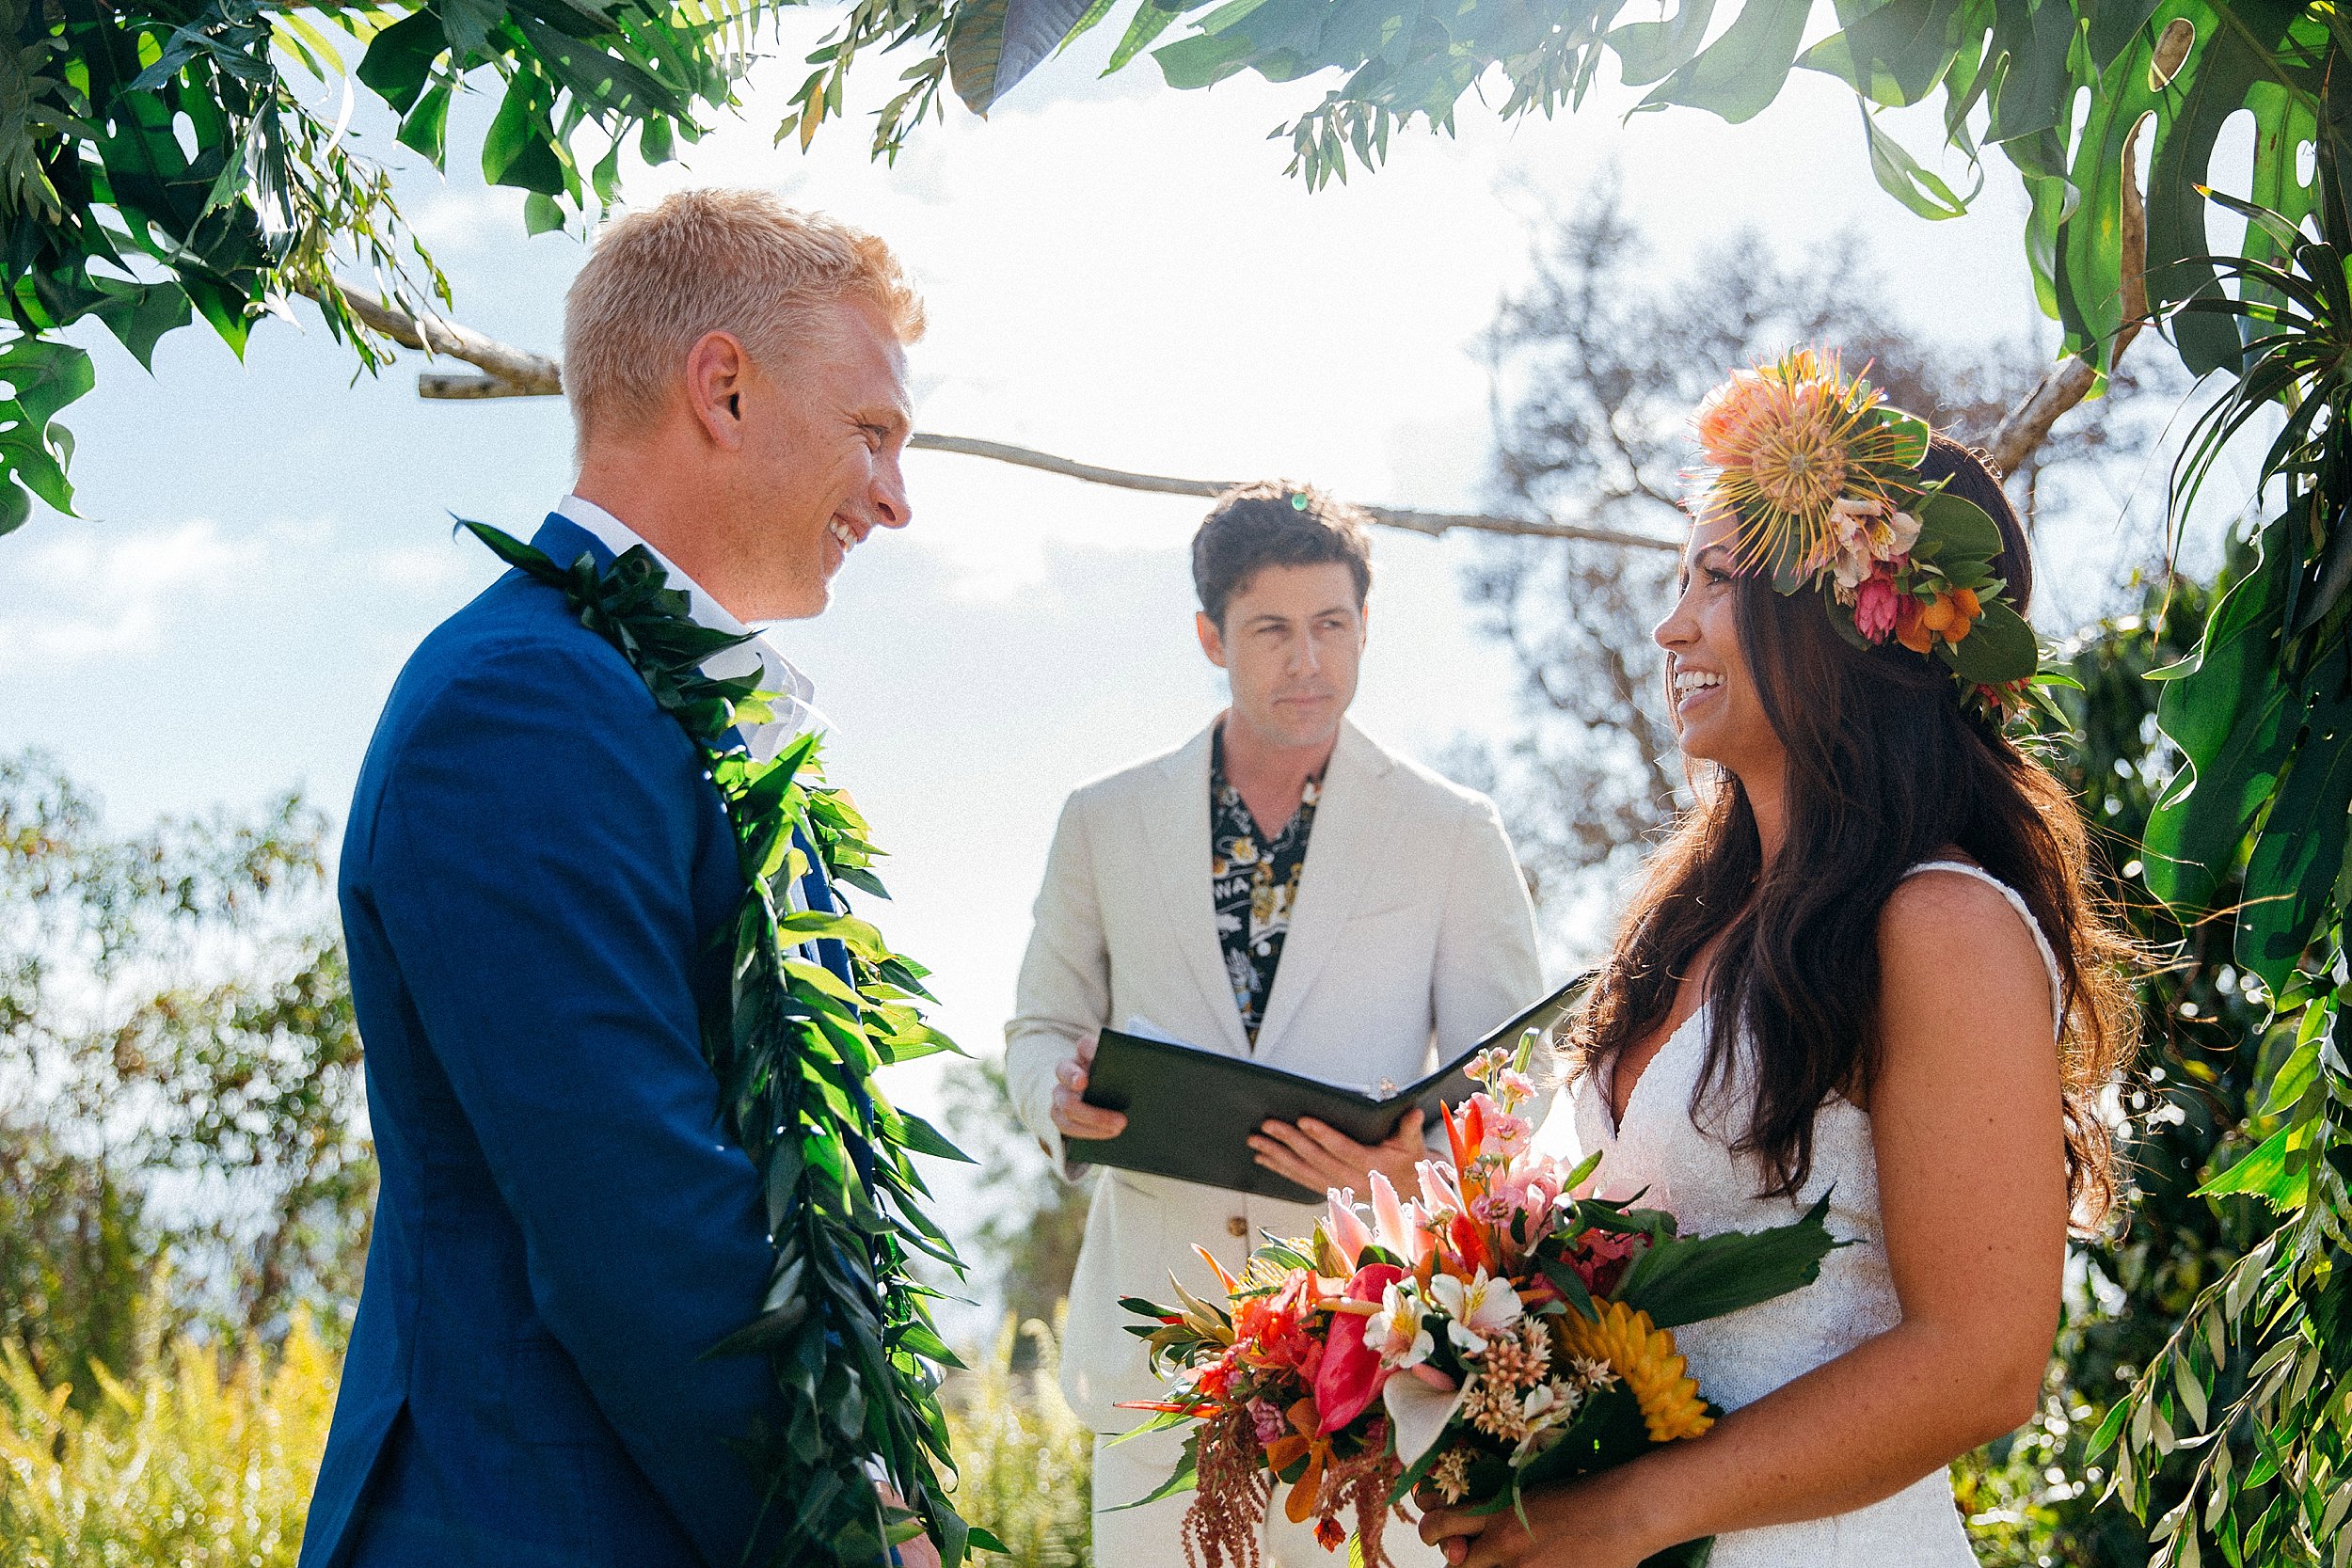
(1494, 1334)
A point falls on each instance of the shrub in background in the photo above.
(183, 1466)
(1024, 1460)
(180, 1088)
(2036, 1500)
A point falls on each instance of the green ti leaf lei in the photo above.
(845, 1325)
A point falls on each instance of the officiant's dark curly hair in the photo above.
(1886, 769)
(1272, 522)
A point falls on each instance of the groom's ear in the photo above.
(717, 368)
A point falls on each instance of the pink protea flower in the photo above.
(1876, 605)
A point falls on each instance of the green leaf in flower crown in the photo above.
(1999, 648)
(1909, 430)
(1952, 529)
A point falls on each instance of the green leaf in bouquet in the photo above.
(1286, 1255)
(1608, 1430)
(1570, 1284)
(1687, 1280)
(1411, 1475)
(1618, 1217)
(1582, 1173)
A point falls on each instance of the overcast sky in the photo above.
(1114, 271)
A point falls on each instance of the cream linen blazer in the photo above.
(1412, 935)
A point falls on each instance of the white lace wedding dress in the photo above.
(1686, 1165)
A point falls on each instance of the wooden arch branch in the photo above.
(515, 372)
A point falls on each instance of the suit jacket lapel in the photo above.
(1351, 826)
(1173, 822)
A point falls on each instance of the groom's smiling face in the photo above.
(824, 427)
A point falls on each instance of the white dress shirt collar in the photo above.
(794, 693)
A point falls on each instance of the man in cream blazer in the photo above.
(1387, 923)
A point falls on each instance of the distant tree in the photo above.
(179, 1104)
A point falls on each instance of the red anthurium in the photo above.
(1350, 1377)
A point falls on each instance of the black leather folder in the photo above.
(1191, 1112)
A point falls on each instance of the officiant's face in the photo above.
(824, 437)
(1292, 642)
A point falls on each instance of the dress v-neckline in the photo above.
(1615, 1123)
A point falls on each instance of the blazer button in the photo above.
(1237, 1226)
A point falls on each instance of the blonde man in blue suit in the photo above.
(1281, 888)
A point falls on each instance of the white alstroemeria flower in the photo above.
(1482, 1307)
(1395, 1333)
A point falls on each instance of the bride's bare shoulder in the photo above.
(1946, 933)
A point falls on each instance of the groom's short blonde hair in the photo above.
(711, 261)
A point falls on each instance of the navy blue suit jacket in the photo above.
(533, 872)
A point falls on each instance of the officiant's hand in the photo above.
(1072, 1114)
(1319, 1158)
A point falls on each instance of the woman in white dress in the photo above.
(1845, 975)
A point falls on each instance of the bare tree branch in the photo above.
(515, 372)
(518, 371)
(1388, 516)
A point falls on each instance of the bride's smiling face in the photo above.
(1717, 713)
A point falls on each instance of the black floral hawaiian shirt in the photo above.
(1253, 882)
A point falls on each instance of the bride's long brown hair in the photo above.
(1886, 769)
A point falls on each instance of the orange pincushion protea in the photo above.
(1645, 1358)
(1786, 439)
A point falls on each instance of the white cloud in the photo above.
(80, 593)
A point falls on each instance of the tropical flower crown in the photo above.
(1821, 477)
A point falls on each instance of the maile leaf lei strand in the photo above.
(845, 1326)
